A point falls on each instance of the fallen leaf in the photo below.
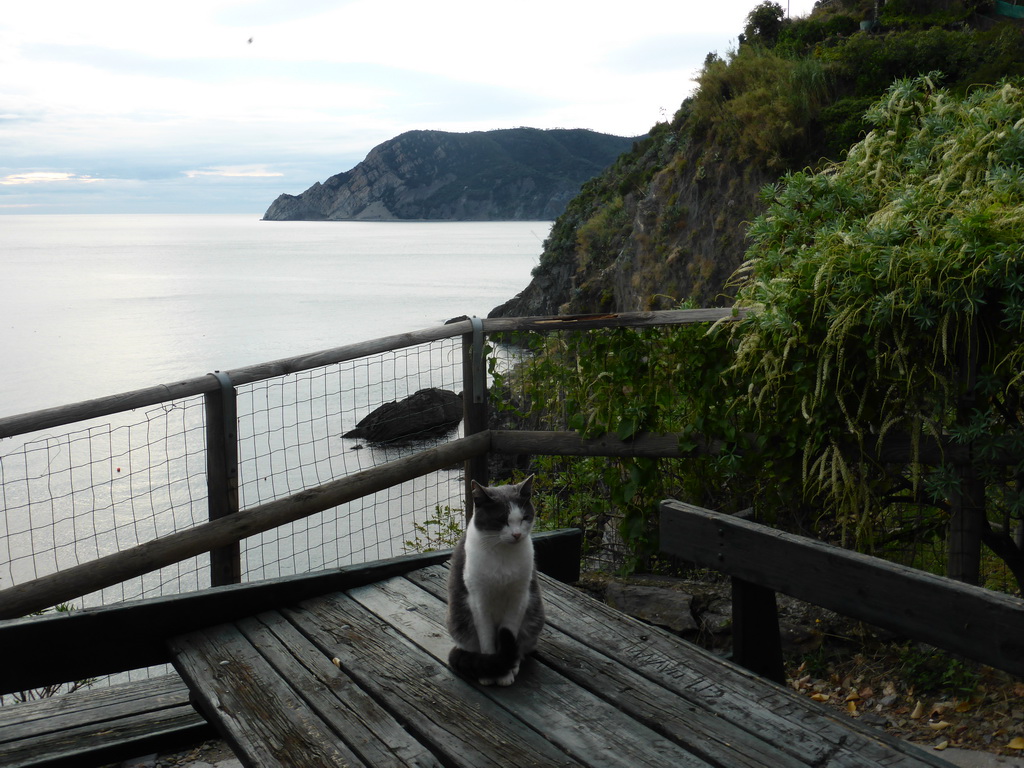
(964, 706)
(853, 696)
(941, 745)
(819, 696)
(939, 725)
(918, 712)
(337, 662)
(851, 706)
(1017, 743)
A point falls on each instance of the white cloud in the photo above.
(231, 172)
(45, 177)
(122, 90)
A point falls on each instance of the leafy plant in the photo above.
(890, 297)
(442, 531)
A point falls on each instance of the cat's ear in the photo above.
(526, 487)
(479, 491)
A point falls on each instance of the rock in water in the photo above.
(426, 414)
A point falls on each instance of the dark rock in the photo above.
(669, 608)
(426, 414)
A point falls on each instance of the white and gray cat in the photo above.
(495, 609)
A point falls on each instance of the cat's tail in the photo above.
(477, 665)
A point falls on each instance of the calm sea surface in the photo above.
(95, 305)
(99, 305)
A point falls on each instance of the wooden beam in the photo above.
(611, 320)
(975, 622)
(61, 647)
(573, 444)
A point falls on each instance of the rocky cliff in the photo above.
(518, 174)
(667, 221)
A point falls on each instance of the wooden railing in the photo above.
(228, 524)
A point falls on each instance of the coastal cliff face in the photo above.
(667, 222)
(518, 174)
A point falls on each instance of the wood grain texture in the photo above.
(101, 725)
(602, 690)
(978, 623)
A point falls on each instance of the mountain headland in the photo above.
(516, 174)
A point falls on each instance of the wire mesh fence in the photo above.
(106, 485)
(72, 497)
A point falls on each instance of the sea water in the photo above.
(94, 305)
(97, 305)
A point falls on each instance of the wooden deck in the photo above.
(602, 690)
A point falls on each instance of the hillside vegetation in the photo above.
(667, 221)
(873, 395)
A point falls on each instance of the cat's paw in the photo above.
(486, 681)
(506, 680)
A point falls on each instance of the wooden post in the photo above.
(963, 559)
(756, 643)
(474, 404)
(222, 475)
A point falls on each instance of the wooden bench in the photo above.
(101, 725)
(971, 621)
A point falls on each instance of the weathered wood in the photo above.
(101, 725)
(756, 644)
(110, 639)
(356, 717)
(773, 714)
(577, 719)
(570, 649)
(260, 716)
(974, 622)
(222, 476)
(549, 323)
(602, 690)
(573, 444)
(460, 721)
(474, 406)
(73, 582)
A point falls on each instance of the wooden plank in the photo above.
(547, 323)
(73, 582)
(458, 721)
(972, 621)
(546, 443)
(583, 724)
(257, 713)
(712, 738)
(114, 638)
(788, 722)
(366, 727)
(101, 725)
(110, 639)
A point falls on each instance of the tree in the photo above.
(890, 296)
(764, 24)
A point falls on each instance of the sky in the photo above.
(219, 106)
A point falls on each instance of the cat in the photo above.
(495, 608)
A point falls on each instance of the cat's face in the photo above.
(504, 511)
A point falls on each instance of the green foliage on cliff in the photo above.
(793, 95)
(888, 298)
(890, 290)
